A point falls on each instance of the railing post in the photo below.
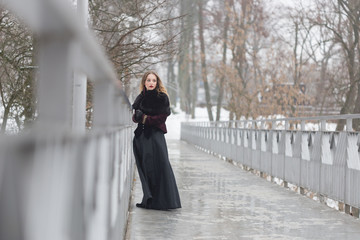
(79, 102)
(262, 125)
(349, 124)
(55, 75)
(287, 127)
(323, 125)
(80, 79)
(103, 105)
(302, 125)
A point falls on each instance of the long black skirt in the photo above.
(156, 175)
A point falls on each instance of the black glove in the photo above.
(138, 115)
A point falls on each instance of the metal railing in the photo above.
(306, 152)
(57, 183)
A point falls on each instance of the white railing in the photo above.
(306, 152)
(57, 183)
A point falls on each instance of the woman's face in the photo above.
(150, 82)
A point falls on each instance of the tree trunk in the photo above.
(356, 122)
(321, 96)
(29, 105)
(231, 115)
(296, 67)
(183, 66)
(171, 81)
(296, 64)
(18, 122)
(6, 113)
(350, 48)
(221, 84)
(203, 61)
(171, 87)
(347, 107)
(5, 118)
(349, 104)
(29, 88)
(181, 57)
(193, 78)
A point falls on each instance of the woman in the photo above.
(157, 178)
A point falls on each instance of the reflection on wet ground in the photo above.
(221, 201)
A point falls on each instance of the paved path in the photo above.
(221, 201)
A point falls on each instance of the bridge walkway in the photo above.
(222, 201)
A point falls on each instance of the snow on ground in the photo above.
(173, 122)
(11, 127)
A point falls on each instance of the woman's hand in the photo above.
(138, 115)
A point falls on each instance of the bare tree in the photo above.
(243, 74)
(352, 11)
(16, 71)
(132, 34)
(321, 49)
(341, 17)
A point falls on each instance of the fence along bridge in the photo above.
(58, 182)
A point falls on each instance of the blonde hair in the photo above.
(159, 85)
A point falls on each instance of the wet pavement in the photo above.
(222, 201)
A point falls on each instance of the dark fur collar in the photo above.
(152, 103)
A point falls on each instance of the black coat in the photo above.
(152, 103)
(151, 155)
